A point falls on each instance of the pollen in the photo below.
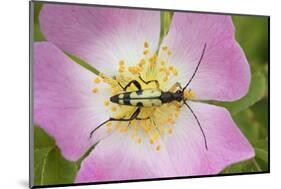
(121, 63)
(158, 147)
(114, 108)
(97, 80)
(151, 66)
(170, 130)
(170, 120)
(106, 103)
(142, 62)
(139, 140)
(146, 45)
(95, 90)
(145, 52)
(133, 69)
(188, 94)
(164, 48)
(121, 69)
(124, 129)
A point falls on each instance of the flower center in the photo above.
(162, 119)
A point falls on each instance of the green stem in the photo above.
(83, 63)
(78, 163)
(256, 164)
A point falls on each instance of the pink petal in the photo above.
(118, 157)
(101, 36)
(182, 153)
(226, 144)
(64, 104)
(224, 73)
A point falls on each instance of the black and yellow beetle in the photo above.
(151, 98)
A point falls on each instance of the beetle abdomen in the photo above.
(141, 98)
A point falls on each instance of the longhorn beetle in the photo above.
(151, 98)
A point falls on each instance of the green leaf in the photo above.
(50, 167)
(82, 63)
(40, 156)
(38, 35)
(42, 139)
(248, 125)
(57, 170)
(257, 164)
(252, 34)
(166, 18)
(241, 167)
(261, 149)
(260, 110)
(256, 92)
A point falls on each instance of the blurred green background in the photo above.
(250, 113)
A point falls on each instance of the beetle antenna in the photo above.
(202, 131)
(196, 67)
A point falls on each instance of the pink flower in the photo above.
(71, 101)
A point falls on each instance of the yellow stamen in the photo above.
(97, 80)
(146, 45)
(164, 48)
(106, 102)
(170, 130)
(95, 90)
(151, 141)
(189, 94)
(121, 63)
(145, 52)
(139, 140)
(133, 69)
(158, 147)
(121, 69)
(114, 108)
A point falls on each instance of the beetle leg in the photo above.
(175, 86)
(133, 117)
(135, 82)
(147, 82)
